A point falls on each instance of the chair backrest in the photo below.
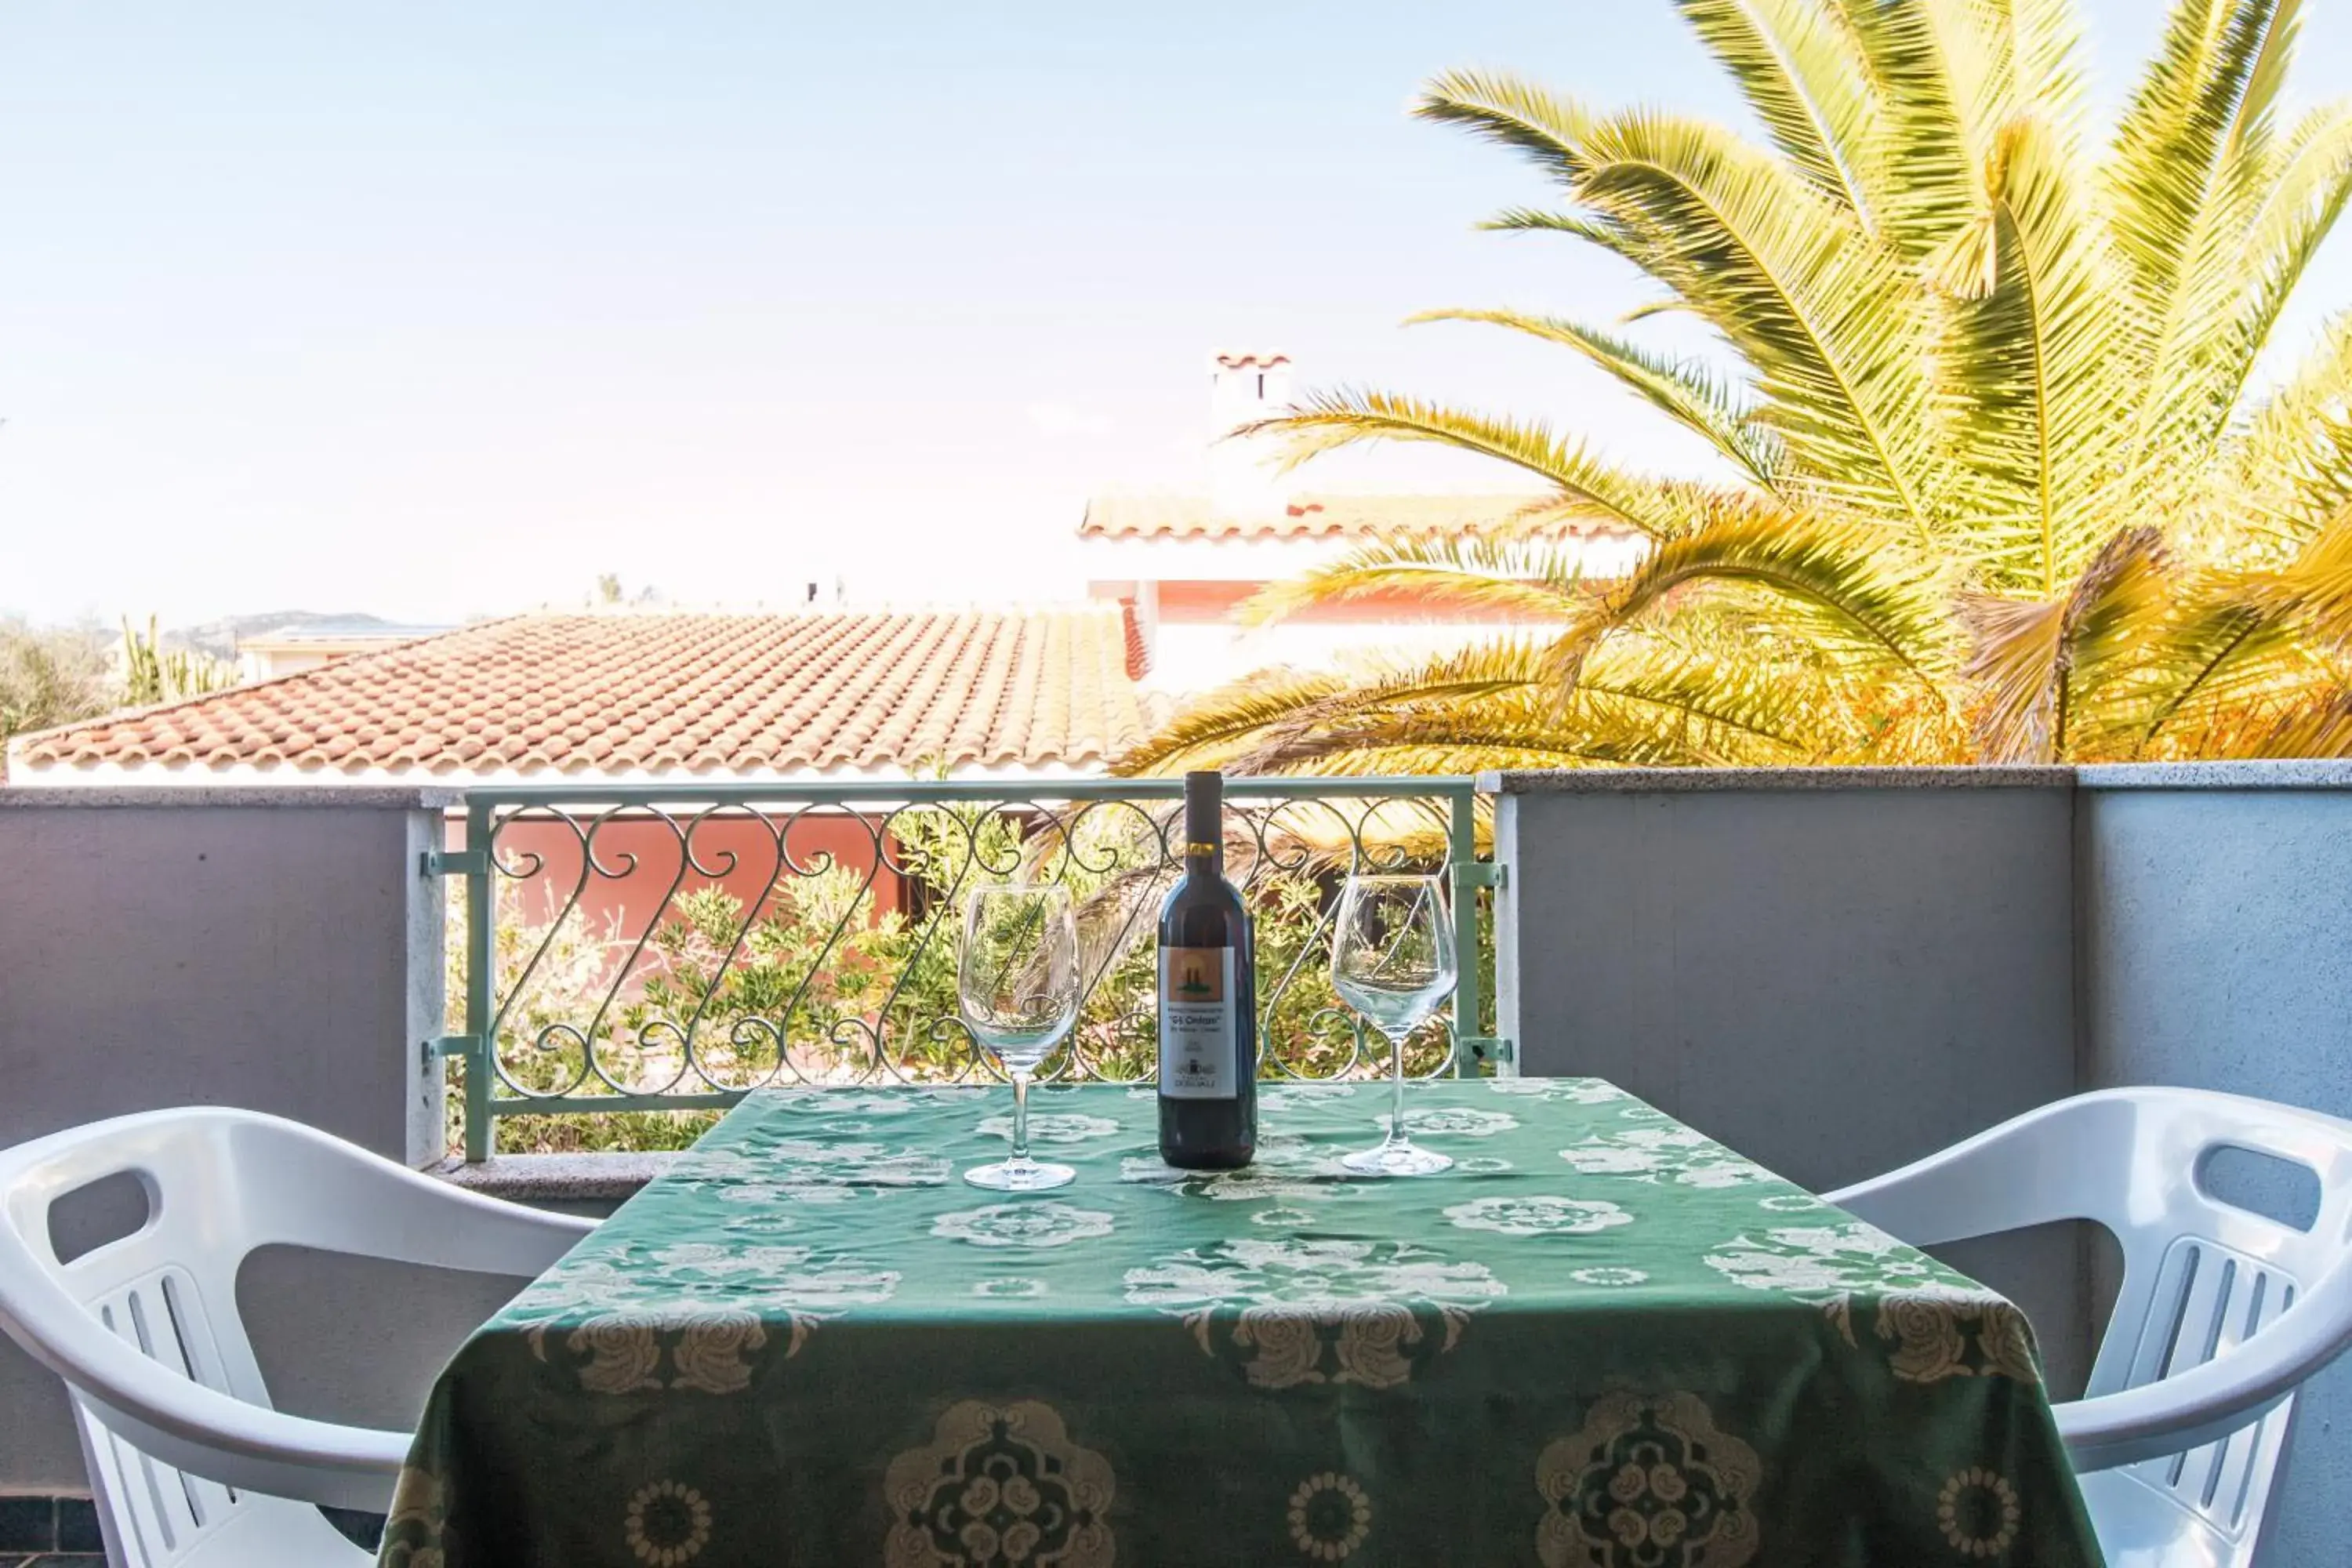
(218, 1184)
(2201, 1275)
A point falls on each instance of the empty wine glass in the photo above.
(1393, 961)
(1018, 983)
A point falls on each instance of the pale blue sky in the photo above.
(442, 307)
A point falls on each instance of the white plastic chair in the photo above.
(2180, 1438)
(191, 1466)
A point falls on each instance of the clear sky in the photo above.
(439, 307)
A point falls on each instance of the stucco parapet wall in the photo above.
(556, 1178)
(1693, 781)
(2278, 773)
(276, 797)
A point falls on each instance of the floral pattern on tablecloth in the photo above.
(1660, 1152)
(1935, 1323)
(1312, 1312)
(691, 1314)
(999, 1487)
(1648, 1481)
(1602, 1338)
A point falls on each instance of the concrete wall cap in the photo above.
(556, 1178)
(1688, 780)
(217, 797)
(2273, 772)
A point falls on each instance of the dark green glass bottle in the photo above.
(1208, 1000)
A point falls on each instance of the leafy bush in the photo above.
(816, 984)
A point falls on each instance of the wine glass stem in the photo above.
(1020, 1117)
(1396, 1089)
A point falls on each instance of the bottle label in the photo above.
(1198, 1040)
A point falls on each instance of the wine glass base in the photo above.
(1020, 1176)
(1397, 1160)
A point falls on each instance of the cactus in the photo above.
(152, 674)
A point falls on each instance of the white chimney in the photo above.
(1243, 388)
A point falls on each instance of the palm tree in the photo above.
(1993, 481)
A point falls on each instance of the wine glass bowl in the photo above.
(1017, 985)
(1393, 961)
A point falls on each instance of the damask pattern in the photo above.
(689, 1315)
(1329, 1517)
(999, 1487)
(667, 1524)
(1935, 1324)
(813, 1343)
(1648, 1482)
(1314, 1311)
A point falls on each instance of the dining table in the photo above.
(1600, 1339)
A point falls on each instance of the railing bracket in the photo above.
(448, 1045)
(452, 862)
(1479, 873)
(1490, 1048)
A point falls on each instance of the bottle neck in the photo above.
(1205, 859)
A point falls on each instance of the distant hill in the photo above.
(220, 638)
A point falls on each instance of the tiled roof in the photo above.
(1307, 517)
(630, 693)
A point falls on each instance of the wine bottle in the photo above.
(1208, 1000)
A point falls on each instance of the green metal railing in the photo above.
(657, 948)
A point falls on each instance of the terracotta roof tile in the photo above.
(755, 694)
(1310, 517)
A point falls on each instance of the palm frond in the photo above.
(1685, 390)
(2038, 663)
(2302, 197)
(1930, 184)
(1252, 723)
(1826, 318)
(1483, 707)
(1801, 69)
(1855, 587)
(1612, 237)
(2222, 652)
(2046, 60)
(1720, 703)
(1511, 575)
(2314, 590)
(1331, 421)
(1473, 740)
(2186, 122)
(1541, 126)
(2033, 362)
(1221, 722)
(2290, 472)
(2319, 725)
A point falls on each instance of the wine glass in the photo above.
(1393, 961)
(1018, 983)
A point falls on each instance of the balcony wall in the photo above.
(1836, 973)
(275, 949)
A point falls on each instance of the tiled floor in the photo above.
(62, 1532)
(49, 1531)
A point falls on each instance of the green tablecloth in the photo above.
(1601, 1340)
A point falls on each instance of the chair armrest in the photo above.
(2055, 1163)
(356, 1201)
(199, 1429)
(254, 1448)
(2191, 1408)
(416, 1218)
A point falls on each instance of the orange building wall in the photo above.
(1204, 603)
(648, 868)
